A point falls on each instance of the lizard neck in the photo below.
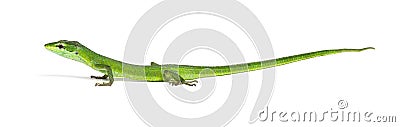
(91, 58)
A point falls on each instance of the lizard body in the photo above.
(172, 73)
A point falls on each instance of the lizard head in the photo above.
(67, 49)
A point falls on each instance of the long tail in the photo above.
(246, 67)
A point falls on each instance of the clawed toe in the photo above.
(102, 84)
(189, 83)
(99, 77)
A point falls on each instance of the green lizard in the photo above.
(171, 73)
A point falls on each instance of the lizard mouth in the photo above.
(51, 48)
(48, 46)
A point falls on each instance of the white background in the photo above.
(41, 89)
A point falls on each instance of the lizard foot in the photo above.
(99, 77)
(103, 84)
(191, 83)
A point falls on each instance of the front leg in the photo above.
(108, 74)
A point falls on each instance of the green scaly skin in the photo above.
(172, 73)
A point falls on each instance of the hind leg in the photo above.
(175, 79)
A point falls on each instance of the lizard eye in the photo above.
(60, 46)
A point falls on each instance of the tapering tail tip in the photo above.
(368, 48)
